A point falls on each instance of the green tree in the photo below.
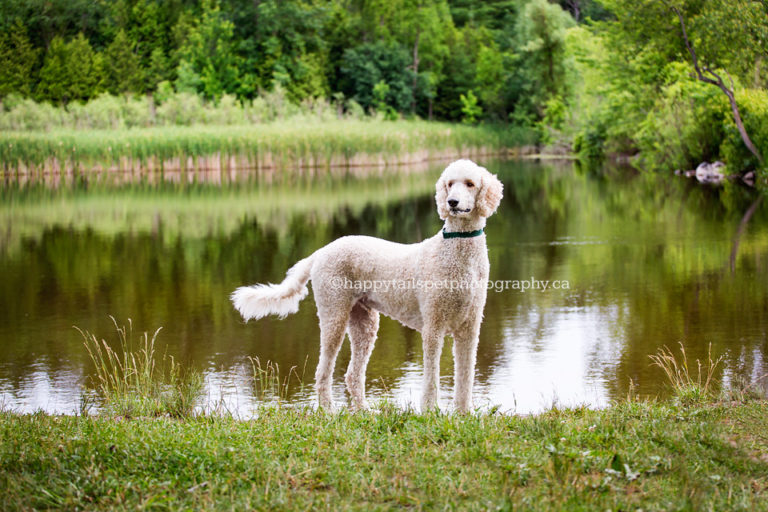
(719, 39)
(584, 10)
(491, 14)
(491, 77)
(71, 71)
(460, 69)
(369, 64)
(46, 19)
(148, 29)
(290, 50)
(380, 93)
(18, 60)
(469, 107)
(158, 70)
(541, 30)
(706, 71)
(422, 26)
(122, 71)
(147, 23)
(208, 61)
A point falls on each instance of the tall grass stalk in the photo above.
(269, 385)
(132, 382)
(687, 386)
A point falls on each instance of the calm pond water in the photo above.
(649, 262)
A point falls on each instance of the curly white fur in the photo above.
(260, 300)
(466, 194)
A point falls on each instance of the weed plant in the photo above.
(687, 387)
(131, 381)
(269, 386)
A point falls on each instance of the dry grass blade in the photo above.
(269, 385)
(683, 382)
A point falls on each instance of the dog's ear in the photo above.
(490, 194)
(441, 198)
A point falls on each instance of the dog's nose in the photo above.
(453, 203)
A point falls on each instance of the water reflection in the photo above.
(43, 388)
(649, 261)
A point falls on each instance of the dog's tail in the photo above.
(257, 301)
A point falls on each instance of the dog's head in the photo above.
(465, 189)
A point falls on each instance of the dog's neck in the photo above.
(463, 224)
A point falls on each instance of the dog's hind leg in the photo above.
(333, 323)
(362, 328)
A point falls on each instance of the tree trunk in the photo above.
(575, 9)
(742, 226)
(740, 123)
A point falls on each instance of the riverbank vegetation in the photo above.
(297, 143)
(670, 84)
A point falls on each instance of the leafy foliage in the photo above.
(121, 66)
(309, 49)
(652, 88)
(370, 64)
(18, 58)
(208, 64)
(470, 108)
(541, 31)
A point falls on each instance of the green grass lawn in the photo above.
(633, 455)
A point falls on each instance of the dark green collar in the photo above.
(462, 234)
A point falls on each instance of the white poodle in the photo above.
(437, 287)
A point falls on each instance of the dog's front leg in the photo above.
(464, 355)
(433, 346)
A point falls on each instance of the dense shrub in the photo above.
(166, 108)
(685, 126)
(589, 144)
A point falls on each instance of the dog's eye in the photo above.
(469, 184)
(450, 184)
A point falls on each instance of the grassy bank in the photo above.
(294, 143)
(632, 455)
(144, 451)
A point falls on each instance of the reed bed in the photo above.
(281, 144)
